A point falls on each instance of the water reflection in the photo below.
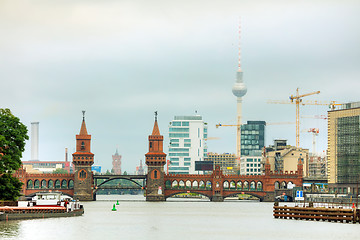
(9, 229)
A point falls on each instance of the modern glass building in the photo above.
(187, 136)
(344, 148)
(252, 138)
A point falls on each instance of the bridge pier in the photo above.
(217, 198)
(269, 197)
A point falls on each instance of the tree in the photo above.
(60, 170)
(12, 143)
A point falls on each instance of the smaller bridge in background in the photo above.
(110, 178)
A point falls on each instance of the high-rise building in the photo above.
(344, 148)
(187, 136)
(252, 138)
(116, 163)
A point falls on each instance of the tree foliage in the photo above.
(12, 143)
(60, 170)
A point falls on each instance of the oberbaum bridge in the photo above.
(82, 184)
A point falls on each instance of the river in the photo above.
(174, 219)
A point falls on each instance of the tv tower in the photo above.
(239, 90)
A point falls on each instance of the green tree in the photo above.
(60, 170)
(12, 144)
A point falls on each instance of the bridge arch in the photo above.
(181, 184)
(175, 184)
(188, 184)
(30, 184)
(277, 185)
(43, 184)
(239, 185)
(259, 186)
(252, 185)
(36, 184)
(63, 184)
(233, 194)
(195, 184)
(232, 185)
(50, 183)
(226, 185)
(71, 184)
(202, 184)
(245, 185)
(125, 178)
(283, 185)
(57, 184)
(186, 191)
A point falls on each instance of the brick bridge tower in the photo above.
(82, 160)
(155, 160)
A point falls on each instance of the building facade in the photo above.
(344, 148)
(187, 136)
(46, 166)
(226, 161)
(250, 165)
(116, 163)
(252, 138)
(283, 157)
(317, 166)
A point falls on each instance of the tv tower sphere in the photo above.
(239, 89)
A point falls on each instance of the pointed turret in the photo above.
(83, 130)
(82, 160)
(156, 131)
(155, 160)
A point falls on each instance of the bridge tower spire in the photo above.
(155, 160)
(82, 160)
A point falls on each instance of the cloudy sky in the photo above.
(122, 60)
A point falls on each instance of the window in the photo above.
(179, 130)
(187, 140)
(178, 135)
(187, 159)
(178, 150)
(82, 145)
(187, 163)
(174, 141)
(176, 124)
(185, 123)
(178, 154)
(187, 145)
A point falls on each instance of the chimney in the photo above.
(66, 154)
(35, 141)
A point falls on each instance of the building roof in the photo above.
(83, 130)
(156, 131)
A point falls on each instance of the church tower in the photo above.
(155, 160)
(82, 160)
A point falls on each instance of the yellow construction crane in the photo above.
(298, 100)
(271, 123)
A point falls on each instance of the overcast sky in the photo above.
(122, 60)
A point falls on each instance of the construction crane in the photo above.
(298, 100)
(271, 123)
(315, 132)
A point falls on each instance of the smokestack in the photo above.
(35, 141)
(66, 154)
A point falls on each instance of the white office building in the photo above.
(187, 136)
(250, 165)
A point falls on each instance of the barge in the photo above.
(43, 205)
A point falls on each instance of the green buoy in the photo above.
(117, 203)
(114, 209)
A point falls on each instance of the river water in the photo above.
(174, 219)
